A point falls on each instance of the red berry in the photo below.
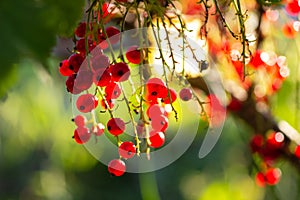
(273, 176)
(99, 129)
(134, 55)
(112, 91)
(257, 143)
(113, 34)
(80, 120)
(116, 126)
(157, 139)
(155, 110)
(81, 29)
(292, 7)
(116, 167)
(186, 94)
(127, 150)
(86, 103)
(70, 84)
(64, 68)
(119, 72)
(155, 88)
(102, 77)
(160, 123)
(234, 105)
(260, 179)
(275, 140)
(75, 61)
(297, 151)
(84, 80)
(81, 135)
(81, 46)
(100, 62)
(167, 99)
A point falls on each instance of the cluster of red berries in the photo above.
(268, 149)
(86, 70)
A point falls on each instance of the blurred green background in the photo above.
(39, 159)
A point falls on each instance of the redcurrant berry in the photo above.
(260, 179)
(292, 7)
(257, 143)
(134, 55)
(113, 34)
(86, 103)
(116, 167)
(155, 110)
(81, 46)
(127, 150)
(273, 176)
(155, 88)
(157, 139)
(81, 29)
(275, 140)
(70, 84)
(84, 80)
(112, 91)
(80, 120)
(64, 68)
(116, 126)
(102, 77)
(297, 151)
(100, 62)
(81, 135)
(186, 94)
(75, 61)
(160, 123)
(119, 72)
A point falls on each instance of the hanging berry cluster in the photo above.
(102, 79)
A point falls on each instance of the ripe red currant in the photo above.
(185, 94)
(81, 29)
(155, 110)
(155, 88)
(116, 126)
(157, 139)
(99, 129)
(112, 91)
(119, 72)
(275, 140)
(81, 46)
(84, 80)
(100, 61)
(257, 143)
(273, 176)
(75, 61)
(260, 179)
(80, 120)
(297, 151)
(292, 7)
(86, 103)
(70, 84)
(81, 135)
(159, 123)
(127, 150)
(116, 167)
(113, 34)
(64, 68)
(134, 55)
(102, 77)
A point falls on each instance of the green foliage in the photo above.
(29, 28)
